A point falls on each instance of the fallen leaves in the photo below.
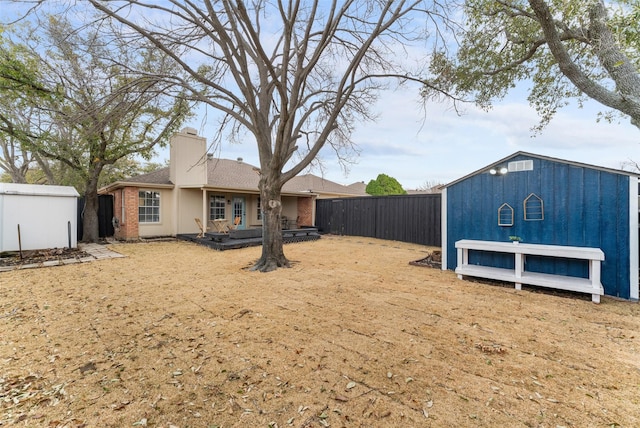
(491, 348)
(388, 345)
(19, 394)
(89, 367)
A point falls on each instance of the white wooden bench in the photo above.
(519, 275)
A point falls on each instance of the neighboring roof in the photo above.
(314, 184)
(359, 187)
(548, 158)
(238, 175)
(37, 190)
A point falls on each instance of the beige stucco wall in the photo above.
(163, 228)
(189, 202)
(188, 159)
(252, 211)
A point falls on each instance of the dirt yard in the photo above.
(177, 335)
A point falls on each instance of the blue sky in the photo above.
(443, 146)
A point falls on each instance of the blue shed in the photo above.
(545, 200)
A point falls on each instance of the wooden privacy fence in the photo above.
(105, 216)
(406, 218)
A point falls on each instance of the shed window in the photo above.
(217, 207)
(148, 206)
(533, 208)
(505, 215)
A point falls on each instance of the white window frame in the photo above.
(148, 206)
(217, 207)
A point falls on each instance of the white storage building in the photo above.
(34, 217)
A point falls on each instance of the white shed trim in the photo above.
(443, 229)
(633, 238)
(37, 190)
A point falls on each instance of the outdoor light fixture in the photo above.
(499, 171)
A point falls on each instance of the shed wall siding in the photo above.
(45, 221)
(583, 207)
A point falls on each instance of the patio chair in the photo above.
(201, 227)
(235, 224)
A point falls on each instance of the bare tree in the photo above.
(101, 113)
(295, 75)
(431, 186)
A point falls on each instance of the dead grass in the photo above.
(351, 336)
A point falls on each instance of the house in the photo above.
(544, 200)
(165, 202)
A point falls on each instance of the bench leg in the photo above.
(519, 267)
(595, 298)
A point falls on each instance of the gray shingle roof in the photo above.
(159, 176)
(315, 184)
(234, 174)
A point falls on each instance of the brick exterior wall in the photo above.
(305, 211)
(128, 228)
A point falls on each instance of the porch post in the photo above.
(205, 217)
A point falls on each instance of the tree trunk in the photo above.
(17, 175)
(44, 165)
(610, 56)
(90, 227)
(272, 252)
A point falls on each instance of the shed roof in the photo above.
(37, 190)
(543, 157)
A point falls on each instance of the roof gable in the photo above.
(519, 154)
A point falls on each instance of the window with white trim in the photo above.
(217, 207)
(148, 206)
